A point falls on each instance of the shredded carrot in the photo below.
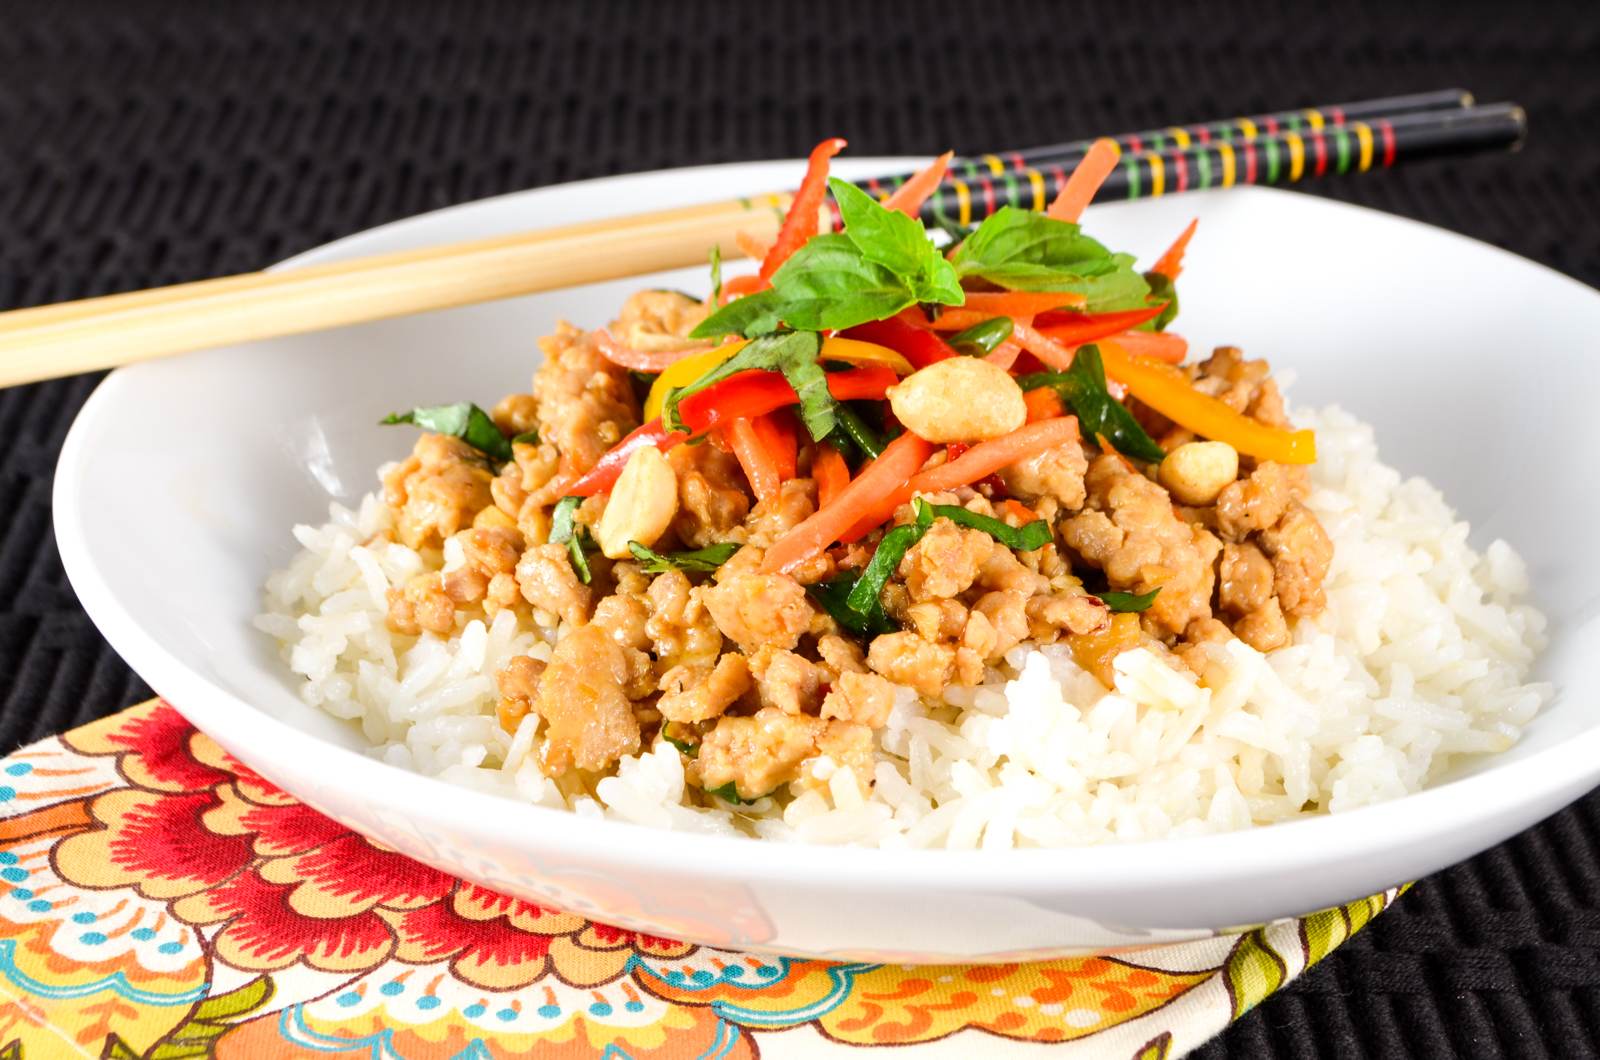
(960, 319)
(759, 466)
(1171, 263)
(831, 472)
(1043, 404)
(1086, 179)
(1019, 511)
(1156, 345)
(1042, 346)
(981, 460)
(800, 223)
(639, 360)
(1167, 390)
(750, 246)
(909, 197)
(780, 438)
(892, 469)
(1022, 303)
(1005, 355)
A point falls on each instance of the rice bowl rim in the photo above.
(1455, 815)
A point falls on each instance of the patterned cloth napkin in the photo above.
(158, 899)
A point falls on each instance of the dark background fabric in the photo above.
(147, 142)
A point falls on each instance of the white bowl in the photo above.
(180, 480)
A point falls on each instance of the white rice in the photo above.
(1422, 655)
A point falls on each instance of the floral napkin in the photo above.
(158, 899)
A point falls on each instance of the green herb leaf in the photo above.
(750, 315)
(688, 750)
(716, 273)
(831, 596)
(526, 438)
(729, 793)
(564, 530)
(1082, 388)
(794, 353)
(891, 550)
(462, 420)
(1027, 251)
(1122, 602)
(829, 285)
(1162, 289)
(980, 340)
(853, 427)
(898, 242)
(701, 559)
(1023, 538)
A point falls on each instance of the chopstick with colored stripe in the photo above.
(71, 337)
(1231, 130)
(1285, 156)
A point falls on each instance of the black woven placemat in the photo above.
(146, 143)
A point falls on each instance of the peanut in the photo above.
(1195, 472)
(641, 506)
(959, 399)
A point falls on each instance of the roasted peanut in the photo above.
(1195, 472)
(642, 504)
(960, 399)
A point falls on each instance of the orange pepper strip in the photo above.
(759, 467)
(909, 197)
(980, 461)
(831, 472)
(1168, 391)
(800, 223)
(1022, 303)
(1171, 263)
(1091, 172)
(894, 467)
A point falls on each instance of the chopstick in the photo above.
(56, 340)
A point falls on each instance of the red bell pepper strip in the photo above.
(800, 223)
(918, 345)
(1073, 329)
(749, 283)
(909, 197)
(1171, 263)
(780, 437)
(1021, 303)
(745, 395)
(1091, 172)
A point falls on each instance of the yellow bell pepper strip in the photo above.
(687, 369)
(1167, 390)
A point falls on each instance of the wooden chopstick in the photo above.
(72, 337)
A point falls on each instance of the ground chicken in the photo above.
(586, 404)
(758, 753)
(841, 655)
(680, 628)
(518, 681)
(1301, 553)
(695, 692)
(907, 659)
(421, 604)
(769, 520)
(789, 682)
(1005, 623)
(1066, 612)
(945, 562)
(583, 699)
(548, 582)
(436, 490)
(712, 503)
(1264, 628)
(1055, 474)
(488, 576)
(1244, 386)
(863, 698)
(1244, 578)
(1133, 534)
(754, 610)
(658, 321)
(1256, 502)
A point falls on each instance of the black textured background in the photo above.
(144, 143)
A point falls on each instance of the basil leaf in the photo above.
(898, 242)
(688, 750)
(1125, 602)
(1023, 538)
(853, 427)
(829, 285)
(794, 353)
(1161, 290)
(891, 550)
(753, 314)
(729, 793)
(831, 596)
(701, 559)
(1082, 388)
(462, 420)
(716, 273)
(980, 340)
(1027, 251)
(565, 531)
(526, 438)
